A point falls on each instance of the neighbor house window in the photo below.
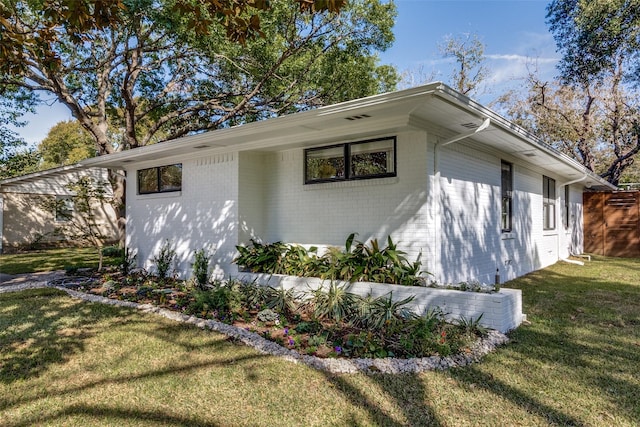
(64, 208)
(355, 160)
(549, 203)
(507, 196)
(567, 206)
(161, 179)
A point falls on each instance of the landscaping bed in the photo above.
(331, 323)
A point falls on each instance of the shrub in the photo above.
(336, 303)
(282, 300)
(164, 260)
(201, 268)
(383, 311)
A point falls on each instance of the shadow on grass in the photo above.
(36, 333)
(39, 330)
(585, 325)
(101, 413)
(408, 393)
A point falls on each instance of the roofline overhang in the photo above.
(41, 174)
(447, 93)
(219, 138)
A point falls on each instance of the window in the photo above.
(64, 208)
(549, 203)
(160, 180)
(567, 206)
(507, 196)
(356, 160)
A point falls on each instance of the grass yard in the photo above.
(66, 362)
(50, 259)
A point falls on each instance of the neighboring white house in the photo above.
(26, 223)
(444, 176)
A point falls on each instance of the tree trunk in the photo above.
(118, 184)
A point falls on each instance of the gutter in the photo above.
(437, 188)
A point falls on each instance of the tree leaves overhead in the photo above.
(159, 74)
(592, 36)
(36, 25)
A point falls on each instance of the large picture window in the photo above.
(161, 179)
(507, 196)
(549, 203)
(355, 160)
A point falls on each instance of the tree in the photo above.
(80, 213)
(599, 43)
(468, 52)
(592, 36)
(15, 157)
(160, 73)
(469, 71)
(66, 143)
(596, 124)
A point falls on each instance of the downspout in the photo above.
(437, 192)
(558, 187)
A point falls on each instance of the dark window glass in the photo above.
(148, 181)
(507, 196)
(160, 179)
(171, 178)
(372, 158)
(325, 164)
(549, 203)
(356, 160)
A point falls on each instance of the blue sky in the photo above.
(513, 31)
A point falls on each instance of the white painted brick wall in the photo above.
(470, 195)
(325, 214)
(201, 216)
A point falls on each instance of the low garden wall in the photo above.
(501, 310)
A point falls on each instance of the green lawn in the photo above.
(66, 362)
(49, 260)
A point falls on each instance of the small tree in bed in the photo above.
(78, 214)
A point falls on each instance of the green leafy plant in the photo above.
(282, 300)
(335, 304)
(252, 295)
(127, 262)
(358, 262)
(164, 260)
(471, 326)
(261, 258)
(201, 268)
(383, 311)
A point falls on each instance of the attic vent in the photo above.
(470, 125)
(198, 147)
(361, 116)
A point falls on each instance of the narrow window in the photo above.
(161, 179)
(549, 203)
(356, 160)
(567, 206)
(64, 208)
(507, 196)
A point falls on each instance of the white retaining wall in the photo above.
(501, 310)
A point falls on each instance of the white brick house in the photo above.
(441, 174)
